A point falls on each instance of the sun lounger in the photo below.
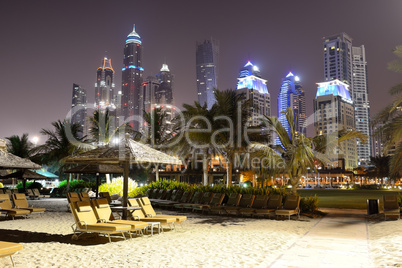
(391, 206)
(73, 197)
(106, 195)
(246, 201)
(260, 202)
(174, 199)
(233, 201)
(104, 213)
(8, 249)
(196, 197)
(141, 216)
(150, 212)
(5, 206)
(37, 193)
(291, 207)
(20, 201)
(166, 197)
(86, 222)
(274, 203)
(205, 200)
(216, 201)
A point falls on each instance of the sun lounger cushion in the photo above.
(8, 248)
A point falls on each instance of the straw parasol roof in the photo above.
(94, 169)
(123, 154)
(25, 174)
(10, 161)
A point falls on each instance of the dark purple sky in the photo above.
(46, 46)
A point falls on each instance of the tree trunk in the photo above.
(229, 170)
(157, 172)
(294, 182)
(107, 178)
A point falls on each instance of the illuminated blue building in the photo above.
(292, 95)
(253, 87)
(333, 112)
(132, 97)
(207, 54)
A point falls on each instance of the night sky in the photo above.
(46, 46)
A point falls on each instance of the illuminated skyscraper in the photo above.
(334, 111)
(79, 108)
(254, 88)
(292, 95)
(207, 54)
(104, 86)
(347, 63)
(132, 96)
(150, 86)
(164, 93)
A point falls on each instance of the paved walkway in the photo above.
(340, 239)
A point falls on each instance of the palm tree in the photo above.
(297, 153)
(391, 119)
(381, 169)
(20, 146)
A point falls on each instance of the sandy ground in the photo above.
(202, 241)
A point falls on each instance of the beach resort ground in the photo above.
(341, 239)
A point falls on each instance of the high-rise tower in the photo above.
(164, 93)
(104, 86)
(207, 53)
(347, 63)
(132, 72)
(361, 102)
(254, 88)
(292, 95)
(334, 111)
(79, 108)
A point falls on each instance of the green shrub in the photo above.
(77, 184)
(29, 185)
(116, 187)
(1, 185)
(309, 204)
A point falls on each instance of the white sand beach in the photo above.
(202, 241)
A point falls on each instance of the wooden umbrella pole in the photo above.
(125, 187)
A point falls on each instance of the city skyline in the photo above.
(60, 51)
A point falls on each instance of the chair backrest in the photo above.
(20, 201)
(106, 195)
(161, 193)
(292, 202)
(149, 192)
(186, 197)
(233, 200)
(260, 201)
(137, 214)
(102, 209)
(246, 200)
(196, 198)
(154, 193)
(390, 202)
(147, 207)
(206, 198)
(167, 195)
(274, 202)
(84, 197)
(36, 191)
(176, 197)
(217, 199)
(9, 192)
(5, 202)
(83, 212)
(73, 197)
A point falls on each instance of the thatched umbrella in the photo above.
(123, 154)
(96, 169)
(25, 174)
(10, 161)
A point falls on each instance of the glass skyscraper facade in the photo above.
(207, 54)
(164, 93)
(132, 72)
(79, 108)
(292, 95)
(104, 86)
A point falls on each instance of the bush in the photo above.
(1, 185)
(76, 184)
(116, 187)
(29, 185)
(309, 204)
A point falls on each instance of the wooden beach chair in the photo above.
(5, 206)
(106, 195)
(86, 222)
(37, 193)
(260, 202)
(141, 216)
(20, 201)
(291, 207)
(391, 206)
(216, 201)
(84, 197)
(246, 201)
(104, 213)
(149, 211)
(274, 203)
(174, 199)
(9, 249)
(233, 201)
(196, 197)
(205, 200)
